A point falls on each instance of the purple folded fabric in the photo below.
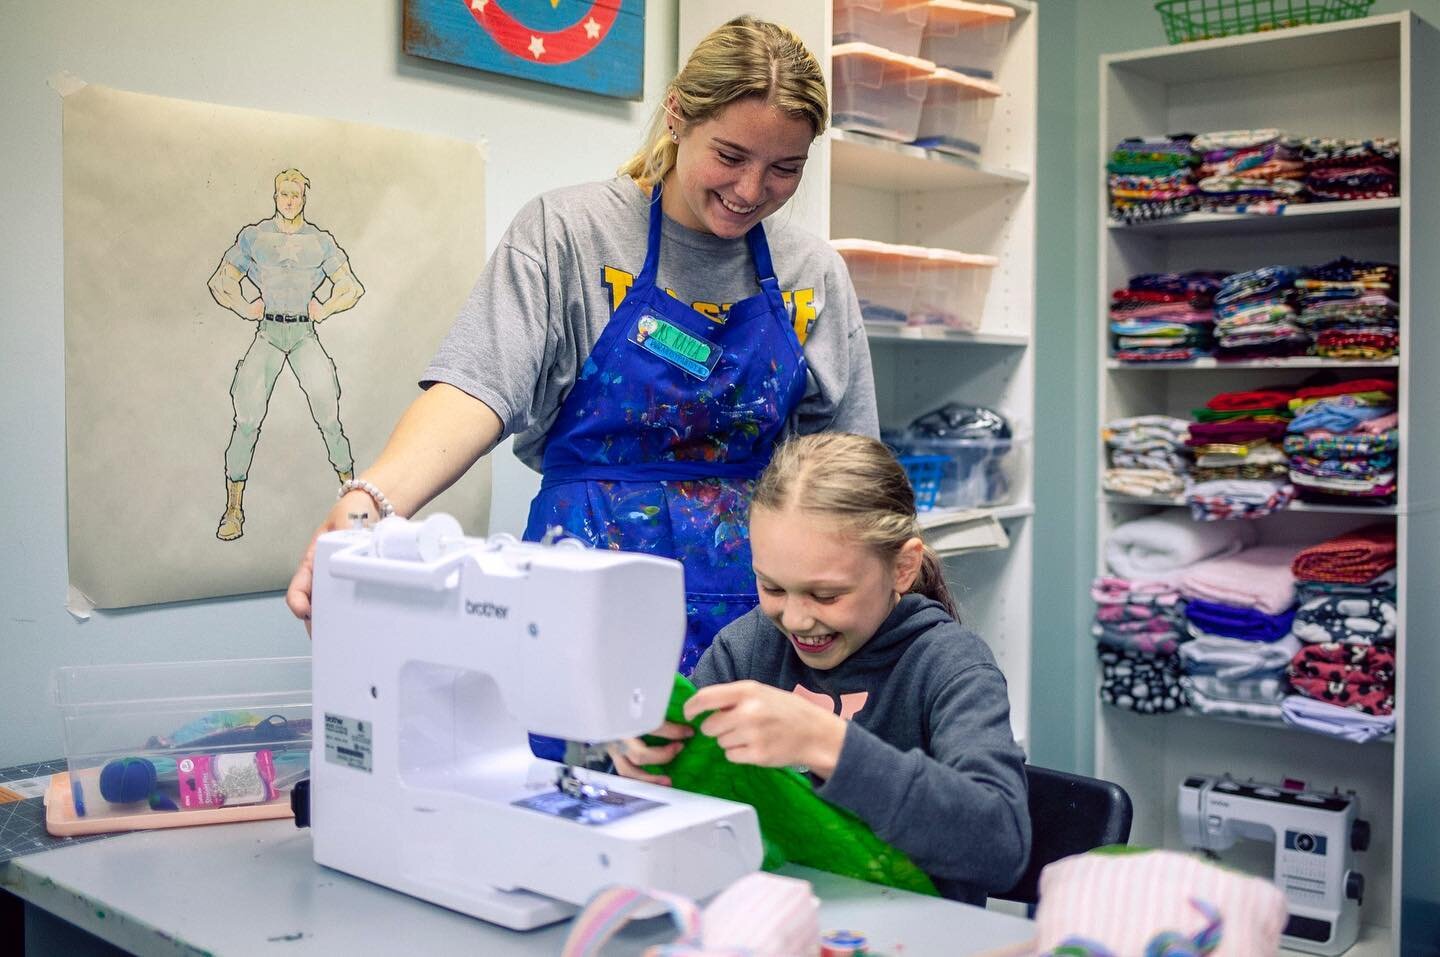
(1234, 431)
(1248, 624)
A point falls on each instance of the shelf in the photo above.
(889, 332)
(1252, 722)
(859, 159)
(939, 516)
(1288, 362)
(1111, 498)
(1274, 51)
(1347, 214)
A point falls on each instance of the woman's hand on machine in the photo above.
(297, 596)
(631, 755)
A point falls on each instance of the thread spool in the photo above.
(407, 541)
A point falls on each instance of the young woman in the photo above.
(648, 341)
(854, 667)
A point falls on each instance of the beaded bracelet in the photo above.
(386, 509)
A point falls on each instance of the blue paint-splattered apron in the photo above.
(673, 416)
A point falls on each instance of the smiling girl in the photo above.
(854, 667)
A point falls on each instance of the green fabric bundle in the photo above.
(796, 825)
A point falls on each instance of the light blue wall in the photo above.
(330, 58)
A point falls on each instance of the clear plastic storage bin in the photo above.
(185, 736)
(917, 285)
(957, 113)
(894, 25)
(966, 37)
(878, 92)
(975, 473)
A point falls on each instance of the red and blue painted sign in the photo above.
(592, 45)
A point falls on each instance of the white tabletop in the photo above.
(241, 889)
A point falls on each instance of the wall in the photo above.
(329, 58)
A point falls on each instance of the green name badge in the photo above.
(684, 350)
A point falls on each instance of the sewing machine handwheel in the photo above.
(1355, 886)
(1360, 835)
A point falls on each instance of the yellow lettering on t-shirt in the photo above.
(800, 302)
(618, 281)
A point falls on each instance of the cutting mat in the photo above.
(22, 810)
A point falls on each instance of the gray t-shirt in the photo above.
(567, 261)
(928, 762)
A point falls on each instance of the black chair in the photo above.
(1069, 814)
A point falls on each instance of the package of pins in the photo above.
(171, 744)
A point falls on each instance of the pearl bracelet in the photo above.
(386, 509)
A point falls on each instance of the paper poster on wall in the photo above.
(250, 298)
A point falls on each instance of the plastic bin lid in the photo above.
(965, 13)
(976, 85)
(927, 255)
(912, 63)
(889, 6)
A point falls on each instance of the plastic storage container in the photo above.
(966, 37)
(894, 25)
(186, 736)
(878, 92)
(957, 113)
(974, 473)
(917, 285)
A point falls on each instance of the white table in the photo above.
(245, 889)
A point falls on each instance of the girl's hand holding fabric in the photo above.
(631, 754)
(761, 725)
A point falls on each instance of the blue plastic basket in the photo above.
(924, 472)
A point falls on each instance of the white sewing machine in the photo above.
(1313, 833)
(433, 655)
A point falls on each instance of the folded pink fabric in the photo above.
(1123, 901)
(1257, 578)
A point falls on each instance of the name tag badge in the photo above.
(684, 350)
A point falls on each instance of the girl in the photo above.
(854, 667)
(647, 340)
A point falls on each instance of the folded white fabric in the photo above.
(1331, 719)
(1123, 901)
(1234, 658)
(1255, 578)
(1157, 546)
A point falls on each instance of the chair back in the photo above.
(1069, 814)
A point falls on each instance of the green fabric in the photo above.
(796, 824)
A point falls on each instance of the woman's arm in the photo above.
(441, 434)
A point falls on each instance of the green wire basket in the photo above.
(1187, 20)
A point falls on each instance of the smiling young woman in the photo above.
(650, 338)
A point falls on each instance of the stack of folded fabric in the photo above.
(1339, 169)
(1238, 613)
(1164, 317)
(1147, 455)
(1344, 674)
(1349, 308)
(1240, 470)
(1343, 442)
(1151, 179)
(1139, 619)
(1255, 315)
(1137, 615)
(1249, 170)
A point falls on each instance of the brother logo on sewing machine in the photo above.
(485, 609)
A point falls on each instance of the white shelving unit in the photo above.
(1371, 77)
(858, 185)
